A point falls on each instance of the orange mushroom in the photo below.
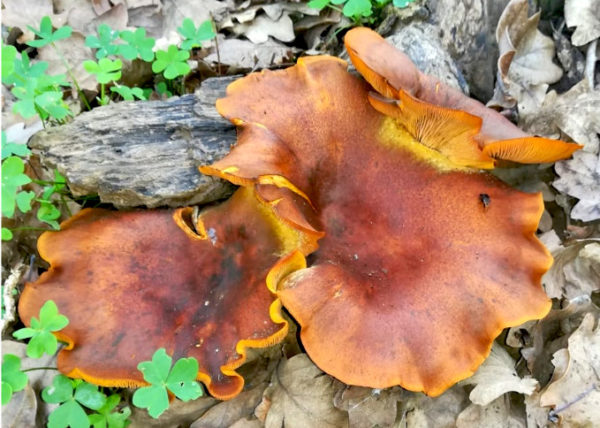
(133, 282)
(415, 272)
(423, 258)
(393, 75)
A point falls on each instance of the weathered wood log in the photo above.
(143, 153)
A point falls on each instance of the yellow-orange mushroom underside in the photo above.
(133, 282)
(423, 263)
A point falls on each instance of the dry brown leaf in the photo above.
(301, 396)
(579, 178)
(497, 376)
(574, 390)
(245, 55)
(226, 413)
(525, 65)
(75, 53)
(576, 268)
(585, 15)
(368, 407)
(537, 416)
(263, 27)
(420, 411)
(116, 18)
(497, 414)
(179, 414)
(13, 15)
(575, 113)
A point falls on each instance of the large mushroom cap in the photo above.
(414, 273)
(133, 282)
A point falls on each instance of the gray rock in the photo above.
(143, 153)
(467, 30)
(421, 43)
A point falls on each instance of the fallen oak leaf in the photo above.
(585, 15)
(497, 376)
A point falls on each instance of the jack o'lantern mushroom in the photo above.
(133, 282)
(422, 259)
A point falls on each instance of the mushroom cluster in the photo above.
(418, 258)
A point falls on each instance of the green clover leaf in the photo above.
(13, 177)
(161, 88)
(13, 379)
(104, 42)
(32, 98)
(9, 149)
(318, 4)
(128, 93)
(172, 62)
(137, 44)
(193, 37)
(40, 333)
(105, 70)
(7, 235)
(356, 8)
(45, 34)
(106, 418)
(9, 57)
(180, 380)
(72, 395)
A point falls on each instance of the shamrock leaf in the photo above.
(72, 395)
(105, 69)
(193, 37)
(32, 100)
(128, 93)
(137, 44)
(104, 42)
(13, 379)
(7, 235)
(9, 56)
(161, 88)
(356, 8)
(180, 380)
(171, 62)
(106, 418)
(45, 34)
(318, 4)
(9, 149)
(40, 333)
(13, 177)
(51, 103)
(23, 70)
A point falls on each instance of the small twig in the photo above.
(553, 414)
(39, 368)
(216, 44)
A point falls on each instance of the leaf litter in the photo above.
(538, 374)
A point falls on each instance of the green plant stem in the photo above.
(39, 368)
(45, 183)
(334, 7)
(65, 205)
(102, 94)
(72, 76)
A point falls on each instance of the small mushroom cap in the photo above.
(393, 75)
(133, 282)
(413, 272)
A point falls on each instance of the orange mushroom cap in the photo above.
(133, 282)
(414, 273)
(393, 75)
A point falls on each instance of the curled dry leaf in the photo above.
(525, 65)
(574, 391)
(497, 376)
(301, 396)
(263, 27)
(579, 177)
(585, 15)
(245, 55)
